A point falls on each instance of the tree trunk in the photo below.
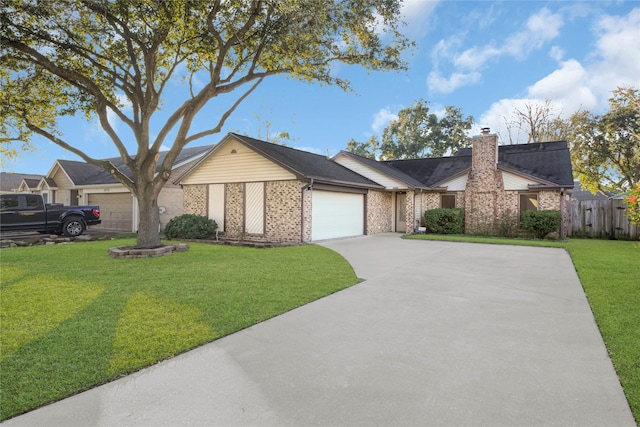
(149, 220)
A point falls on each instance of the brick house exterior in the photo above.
(489, 181)
(264, 192)
(261, 192)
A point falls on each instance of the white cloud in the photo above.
(540, 28)
(382, 118)
(616, 58)
(567, 85)
(575, 85)
(437, 83)
(416, 13)
(556, 53)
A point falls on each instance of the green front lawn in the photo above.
(609, 271)
(73, 318)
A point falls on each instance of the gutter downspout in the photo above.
(562, 213)
(307, 187)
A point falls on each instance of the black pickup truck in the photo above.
(29, 212)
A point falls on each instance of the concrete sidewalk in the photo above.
(443, 334)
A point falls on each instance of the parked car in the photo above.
(29, 212)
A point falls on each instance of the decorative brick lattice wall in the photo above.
(195, 199)
(379, 206)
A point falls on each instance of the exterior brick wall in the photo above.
(549, 200)
(234, 214)
(283, 214)
(283, 220)
(410, 213)
(306, 233)
(379, 207)
(460, 199)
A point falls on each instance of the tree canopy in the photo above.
(115, 58)
(605, 150)
(418, 133)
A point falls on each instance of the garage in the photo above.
(116, 211)
(336, 214)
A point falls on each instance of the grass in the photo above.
(73, 318)
(609, 271)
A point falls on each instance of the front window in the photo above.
(528, 202)
(448, 201)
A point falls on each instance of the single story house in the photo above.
(78, 183)
(258, 191)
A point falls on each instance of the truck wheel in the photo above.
(73, 226)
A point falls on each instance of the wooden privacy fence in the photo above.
(602, 219)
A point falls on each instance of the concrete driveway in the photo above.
(439, 334)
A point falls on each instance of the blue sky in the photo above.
(486, 58)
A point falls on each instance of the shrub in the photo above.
(191, 226)
(541, 223)
(507, 224)
(444, 221)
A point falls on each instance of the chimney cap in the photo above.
(485, 130)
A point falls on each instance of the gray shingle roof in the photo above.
(548, 161)
(307, 164)
(10, 181)
(87, 174)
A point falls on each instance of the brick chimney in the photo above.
(484, 152)
(484, 194)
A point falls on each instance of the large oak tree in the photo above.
(417, 133)
(102, 58)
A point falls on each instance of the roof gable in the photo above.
(300, 164)
(307, 164)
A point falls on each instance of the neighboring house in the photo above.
(582, 194)
(258, 191)
(18, 182)
(78, 183)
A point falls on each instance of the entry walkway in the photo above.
(439, 334)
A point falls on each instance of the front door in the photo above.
(401, 212)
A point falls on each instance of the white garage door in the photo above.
(116, 211)
(336, 215)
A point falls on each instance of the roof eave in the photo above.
(387, 170)
(344, 183)
(550, 187)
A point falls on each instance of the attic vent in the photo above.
(233, 151)
(485, 131)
